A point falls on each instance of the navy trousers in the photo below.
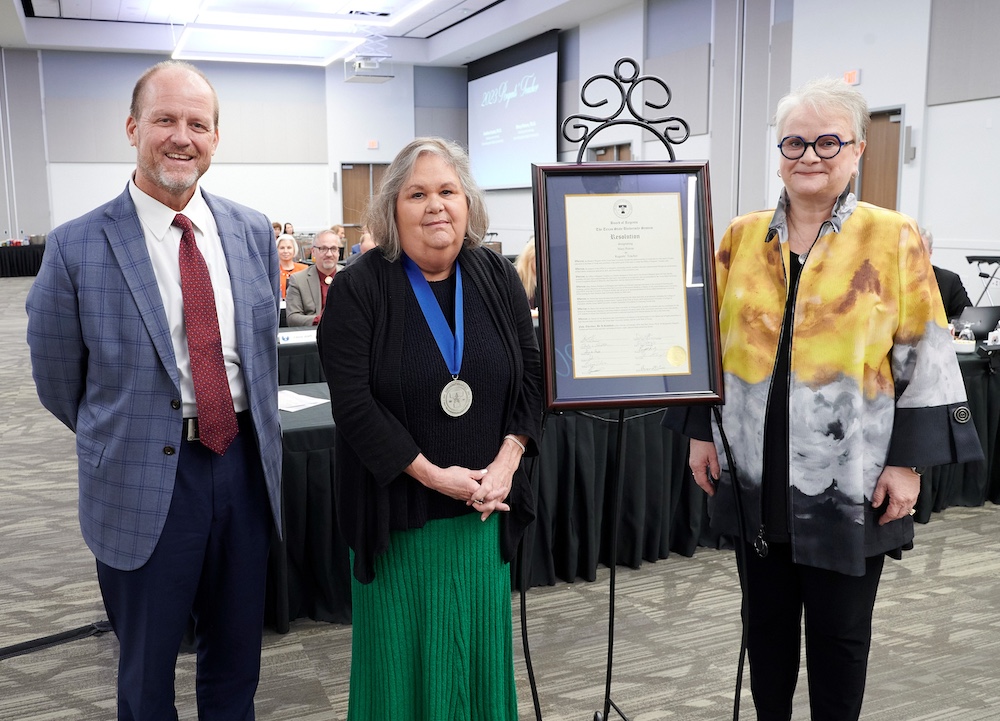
(838, 617)
(210, 563)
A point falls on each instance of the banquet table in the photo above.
(308, 574)
(298, 362)
(18, 260)
(969, 484)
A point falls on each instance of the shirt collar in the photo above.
(842, 210)
(158, 218)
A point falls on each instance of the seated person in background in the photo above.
(341, 233)
(288, 251)
(277, 229)
(306, 295)
(950, 284)
(525, 265)
(366, 244)
(356, 248)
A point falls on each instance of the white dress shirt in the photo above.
(163, 240)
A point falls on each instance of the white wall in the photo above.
(361, 112)
(960, 186)
(286, 193)
(603, 42)
(887, 41)
(511, 217)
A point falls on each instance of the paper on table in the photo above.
(292, 401)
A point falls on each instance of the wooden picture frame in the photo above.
(627, 302)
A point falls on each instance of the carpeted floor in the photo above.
(936, 651)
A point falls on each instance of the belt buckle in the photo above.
(191, 429)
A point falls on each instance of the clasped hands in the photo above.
(485, 489)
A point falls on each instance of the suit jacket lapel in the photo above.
(314, 281)
(234, 238)
(128, 244)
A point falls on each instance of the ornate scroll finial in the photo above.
(676, 130)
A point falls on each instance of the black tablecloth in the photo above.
(575, 483)
(20, 260)
(308, 574)
(299, 362)
(969, 484)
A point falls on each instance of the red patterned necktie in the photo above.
(216, 418)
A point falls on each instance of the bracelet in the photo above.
(511, 437)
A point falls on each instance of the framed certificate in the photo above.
(626, 285)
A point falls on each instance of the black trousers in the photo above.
(838, 618)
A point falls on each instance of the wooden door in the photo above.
(361, 180)
(878, 179)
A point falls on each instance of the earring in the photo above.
(779, 173)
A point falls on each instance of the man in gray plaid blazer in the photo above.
(178, 530)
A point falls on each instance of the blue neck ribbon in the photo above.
(451, 345)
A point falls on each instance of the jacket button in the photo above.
(168, 450)
(963, 414)
(175, 404)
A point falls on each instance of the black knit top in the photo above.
(471, 439)
(385, 379)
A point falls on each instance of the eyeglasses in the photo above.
(794, 147)
(322, 249)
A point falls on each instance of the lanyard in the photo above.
(452, 346)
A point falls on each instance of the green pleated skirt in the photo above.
(432, 636)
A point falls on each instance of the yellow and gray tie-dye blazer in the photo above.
(873, 376)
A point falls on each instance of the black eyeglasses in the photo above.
(794, 147)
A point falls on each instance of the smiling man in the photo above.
(152, 327)
(305, 299)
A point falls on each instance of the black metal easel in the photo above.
(616, 498)
(577, 129)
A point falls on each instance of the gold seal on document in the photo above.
(676, 356)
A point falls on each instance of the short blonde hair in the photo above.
(380, 216)
(826, 96)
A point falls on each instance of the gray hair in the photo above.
(380, 216)
(286, 236)
(826, 96)
(135, 110)
(325, 232)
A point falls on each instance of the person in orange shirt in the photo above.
(288, 250)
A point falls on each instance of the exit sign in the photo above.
(852, 77)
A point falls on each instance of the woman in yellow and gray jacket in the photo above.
(840, 382)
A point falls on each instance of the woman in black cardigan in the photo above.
(435, 382)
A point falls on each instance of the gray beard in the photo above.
(173, 183)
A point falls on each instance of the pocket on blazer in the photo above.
(89, 450)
